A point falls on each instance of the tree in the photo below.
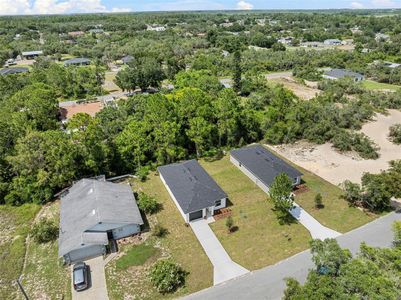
(280, 193)
(237, 71)
(397, 234)
(45, 231)
(318, 201)
(229, 224)
(395, 133)
(148, 204)
(167, 276)
(353, 192)
(200, 133)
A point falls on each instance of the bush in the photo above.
(395, 133)
(229, 224)
(44, 231)
(148, 204)
(159, 230)
(143, 173)
(319, 201)
(353, 192)
(167, 276)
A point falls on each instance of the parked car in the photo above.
(80, 276)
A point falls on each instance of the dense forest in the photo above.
(199, 117)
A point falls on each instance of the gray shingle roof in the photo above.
(192, 187)
(263, 164)
(127, 59)
(90, 201)
(76, 61)
(12, 71)
(341, 73)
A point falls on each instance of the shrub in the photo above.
(45, 231)
(167, 276)
(353, 192)
(397, 234)
(143, 173)
(395, 133)
(159, 230)
(148, 204)
(283, 200)
(229, 224)
(318, 201)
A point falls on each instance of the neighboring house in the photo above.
(333, 42)
(76, 33)
(10, 62)
(156, 28)
(92, 213)
(226, 83)
(127, 59)
(31, 54)
(12, 71)
(312, 44)
(193, 191)
(262, 166)
(285, 40)
(342, 73)
(77, 62)
(96, 31)
(391, 65)
(380, 37)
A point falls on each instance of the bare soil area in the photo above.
(305, 92)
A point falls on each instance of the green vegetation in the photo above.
(147, 204)
(280, 193)
(136, 256)
(44, 231)
(167, 276)
(15, 225)
(372, 274)
(395, 133)
(374, 85)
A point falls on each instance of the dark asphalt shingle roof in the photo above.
(192, 187)
(90, 201)
(80, 60)
(127, 59)
(263, 164)
(341, 73)
(12, 71)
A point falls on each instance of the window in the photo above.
(217, 203)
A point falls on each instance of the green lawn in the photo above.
(14, 227)
(180, 244)
(136, 256)
(44, 277)
(373, 85)
(260, 240)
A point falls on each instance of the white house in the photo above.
(262, 166)
(193, 191)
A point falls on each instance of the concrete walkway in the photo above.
(98, 288)
(268, 283)
(317, 230)
(224, 268)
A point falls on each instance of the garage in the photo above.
(195, 215)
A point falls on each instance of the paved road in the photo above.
(317, 230)
(224, 268)
(98, 289)
(268, 283)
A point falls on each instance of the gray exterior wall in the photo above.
(127, 230)
(84, 253)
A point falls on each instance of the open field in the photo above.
(373, 85)
(44, 277)
(302, 91)
(15, 223)
(336, 167)
(109, 84)
(260, 240)
(180, 243)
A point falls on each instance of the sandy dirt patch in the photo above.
(91, 109)
(302, 91)
(336, 167)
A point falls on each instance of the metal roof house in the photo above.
(193, 191)
(262, 166)
(13, 71)
(31, 54)
(77, 62)
(93, 212)
(332, 42)
(342, 73)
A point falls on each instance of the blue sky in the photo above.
(13, 7)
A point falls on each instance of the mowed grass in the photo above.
(260, 240)
(180, 244)
(136, 256)
(44, 277)
(373, 85)
(15, 224)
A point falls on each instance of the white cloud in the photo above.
(180, 5)
(357, 5)
(242, 5)
(385, 4)
(25, 7)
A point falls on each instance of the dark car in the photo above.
(80, 276)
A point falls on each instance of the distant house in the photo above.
(391, 65)
(96, 31)
(193, 191)
(12, 71)
(285, 40)
(92, 213)
(342, 73)
(382, 37)
(76, 33)
(127, 59)
(156, 28)
(81, 61)
(226, 83)
(262, 166)
(333, 42)
(312, 44)
(31, 54)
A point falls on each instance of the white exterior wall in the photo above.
(185, 216)
(259, 183)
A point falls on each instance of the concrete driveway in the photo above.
(317, 230)
(98, 288)
(224, 268)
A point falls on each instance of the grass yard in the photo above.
(14, 227)
(373, 85)
(44, 277)
(136, 256)
(180, 244)
(260, 240)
